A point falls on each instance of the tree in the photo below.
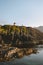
(14, 23)
(23, 30)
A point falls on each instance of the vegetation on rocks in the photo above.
(16, 41)
(20, 36)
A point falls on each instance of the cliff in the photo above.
(18, 41)
(20, 36)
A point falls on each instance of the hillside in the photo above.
(20, 36)
(18, 41)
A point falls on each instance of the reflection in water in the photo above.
(24, 56)
(23, 52)
(14, 53)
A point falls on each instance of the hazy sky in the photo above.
(26, 12)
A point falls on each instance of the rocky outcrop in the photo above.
(21, 37)
(14, 52)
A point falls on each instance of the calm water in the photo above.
(32, 59)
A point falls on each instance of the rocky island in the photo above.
(17, 41)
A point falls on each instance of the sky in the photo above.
(22, 12)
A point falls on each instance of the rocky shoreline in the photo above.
(18, 41)
(10, 53)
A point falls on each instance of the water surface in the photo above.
(35, 58)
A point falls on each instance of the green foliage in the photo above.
(13, 29)
(24, 30)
